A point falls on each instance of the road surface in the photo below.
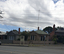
(32, 50)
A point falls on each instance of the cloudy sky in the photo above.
(29, 14)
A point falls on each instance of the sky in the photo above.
(29, 14)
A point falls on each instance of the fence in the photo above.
(34, 42)
(6, 41)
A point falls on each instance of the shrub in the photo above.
(55, 42)
(18, 39)
(63, 42)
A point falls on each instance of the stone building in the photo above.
(59, 33)
(38, 35)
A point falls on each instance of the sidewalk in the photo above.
(33, 45)
(22, 45)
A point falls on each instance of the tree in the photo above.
(60, 28)
(48, 29)
(55, 39)
(26, 34)
(14, 30)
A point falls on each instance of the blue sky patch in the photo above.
(3, 0)
(5, 28)
(55, 1)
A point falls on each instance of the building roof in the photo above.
(15, 32)
(12, 33)
(59, 30)
(2, 33)
(41, 32)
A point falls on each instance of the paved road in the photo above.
(32, 50)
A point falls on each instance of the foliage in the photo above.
(14, 30)
(18, 39)
(60, 28)
(55, 39)
(60, 39)
(48, 29)
(28, 40)
(26, 34)
(63, 40)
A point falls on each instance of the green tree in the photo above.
(48, 29)
(26, 34)
(61, 28)
(55, 39)
(14, 30)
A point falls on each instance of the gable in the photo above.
(33, 33)
(41, 32)
(11, 34)
(38, 32)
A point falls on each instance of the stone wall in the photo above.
(34, 42)
(6, 41)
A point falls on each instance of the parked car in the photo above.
(0, 42)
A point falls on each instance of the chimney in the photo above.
(19, 30)
(38, 28)
(54, 27)
(6, 31)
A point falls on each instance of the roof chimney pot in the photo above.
(38, 28)
(19, 30)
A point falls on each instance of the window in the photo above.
(42, 38)
(32, 37)
(5, 37)
(11, 37)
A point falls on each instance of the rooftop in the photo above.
(40, 32)
(2, 33)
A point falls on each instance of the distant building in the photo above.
(59, 33)
(8, 37)
(38, 35)
(12, 35)
(3, 35)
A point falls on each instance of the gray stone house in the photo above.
(12, 35)
(38, 35)
(3, 35)
(8, 37)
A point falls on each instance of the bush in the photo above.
(18, 39)
(49, 43)
(63, 42)
(28, 40)
(55, 42)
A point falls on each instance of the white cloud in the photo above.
(58, 13)
(24, 13)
